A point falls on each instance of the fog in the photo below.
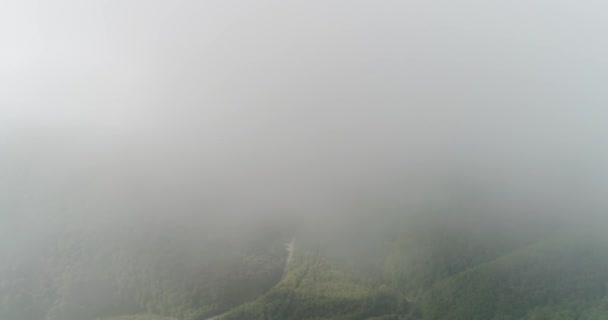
(254, 110)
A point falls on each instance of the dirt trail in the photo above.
(289, 246)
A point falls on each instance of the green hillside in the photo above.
(316, 289)
(563, 278)
(453, 276)
(184, 271)
(386, 268)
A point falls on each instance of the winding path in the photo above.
(289, 246)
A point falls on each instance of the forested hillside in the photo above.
(456, 274)
(557, 278)
(415, 269)
(181, 270)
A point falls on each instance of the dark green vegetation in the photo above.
(315, 289)
(415, 268)
(559, 278)
(168, 269)
(433, 270)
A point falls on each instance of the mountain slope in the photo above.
(316, 289)
(179, 271)
(559, 278)
(388, 269)
(563, 276)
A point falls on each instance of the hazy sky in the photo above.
(293, 105)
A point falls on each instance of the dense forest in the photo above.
(412, 267)
(170, 269)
